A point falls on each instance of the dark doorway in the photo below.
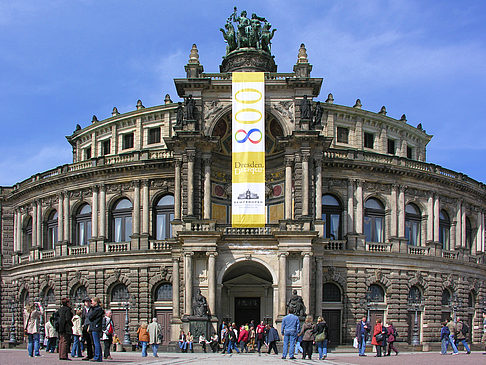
(333, 320)
(164, 317)
(118, 317)
(246, 310)
(374, 315)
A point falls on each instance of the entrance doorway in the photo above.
(333, 320)
(246, 310)
(163, 318)
(118, 317)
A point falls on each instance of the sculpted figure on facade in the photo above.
(297, 304)
(305, 109)
(179, 115)
(229, 36)
(190, 108)
(318, 114)
(267, 36)
(200, 305)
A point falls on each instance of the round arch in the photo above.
(243, 260)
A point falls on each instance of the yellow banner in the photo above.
(248, 157)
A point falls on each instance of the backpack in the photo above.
(231, 335)
(55, 320)
(465, 329)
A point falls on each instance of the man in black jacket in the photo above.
(85, 324)
(65, 329)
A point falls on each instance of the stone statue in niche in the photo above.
(318, 115)
(305, 108)
(179, 115)
(190, 108)
(200, 305)
(297, 304)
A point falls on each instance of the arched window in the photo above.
(377, 294)
(444, 230)
(49, 297)
(412, 224)
(163, 292)
(163, 215)
(414, 295)
(51, 231)
(25, 297)
(83, 225)
(79, 294)
(331, 293)
(468, 235)
(27, 235)
(446, 297)
(122, 221)
(374, 221)
(331, 215)
(119, 293)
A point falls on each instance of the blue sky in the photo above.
(63, 61)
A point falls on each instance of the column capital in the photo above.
(176, 259)
(212, 253)
(146, 183)
(188, 254)
(136, 183)
(318, 161)
(283, 254)
(358, 182)
(307, 254)
(289, 160)
(305, 157)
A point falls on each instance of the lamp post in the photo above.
(415, 305)
(12, 339)
(130, 302)
(456, 303)
(366, 302)
(42, 323)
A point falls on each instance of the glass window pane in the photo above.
(171, 218)
(81, 234)
(378, 229)
(330, 200)
(368, 228)
(118, 229)
(160, 227)
(128, 228)
(334, 229)
(166, 200)
(412, 209)
(85, 209)
(123, 204)
(373, 203)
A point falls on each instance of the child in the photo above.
(444, 338)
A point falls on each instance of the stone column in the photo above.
(430, 218)
(67, 236)
(401, 212)
(207, 187)
(60, 218)
(19, 231)
(351, 228)
(458, 225)
(306, 279)
(394, 214)
(318, 286)
(177, 190)
(188, 283)
(145, 207)
(477, 247)
(359, 207)
(34, 224)
(305, 183)
(212, 282)
(318, 171)
(15, 229)
(288, 187)
(136, 208)
(102, 225)
(175, 288)
(436, 217)
(39, 223)
(191, 157)
(94, 213)
(463, 226)
(282, 283)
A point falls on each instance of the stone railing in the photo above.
(160, 246)
(450, 254)
(248, 231)
(474, 259)
(417, 250)
(378, 247)
(24, 259)
(117, 246)
(80, 166)
(47, 254)
(201, 226)
(335, 245)
(78, 250)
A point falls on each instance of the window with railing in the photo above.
(121, 222)
(412, 224)
(163, 216)
(374, 220)
(444, 230)
(27, 235)
(332, 212)
(83, 225)
(51, 231)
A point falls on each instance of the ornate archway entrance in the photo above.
(247, 293)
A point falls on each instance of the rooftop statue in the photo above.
(251, 33)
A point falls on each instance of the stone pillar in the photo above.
(359, 207)
(401, 212)
(318, 172)
(175, 288)
(60, 218)
(306, 279)
(212, 282)
(463, 226)
(288, 187)
(191, 157)
(430, 218)
(39, 224)
(318, 286)
(394, 214)
(282, 283)
(177, 190)
(66, 217)
(145, 207)
(436, 217)
(34, 224)
(477, 247)
(19, 231)
(102, 223)
(188, 283)
(94, 213)
(207, 188)
(305, 183)
(136, 208)
(458, 225)
(351, 227)
(15, 229)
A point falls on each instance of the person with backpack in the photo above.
(452, 336)
(462, 331)
(232, 340)
(307, 333)
(444, 338)
(391, 338)
(95, 316)
(77, 333)
(65, 328)
(155, 333)
(108, 328)
(32, 314)
(321, 337)
(51, 333)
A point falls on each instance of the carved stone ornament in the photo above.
(211, 108)
(77, 275)
(117, 273)
(378, 274)
(165, 273)
(285, 109)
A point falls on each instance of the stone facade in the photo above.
(356, 218)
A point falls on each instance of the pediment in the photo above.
(248, 280)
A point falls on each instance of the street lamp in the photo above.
(130, 302)
(42, 322)
(456, 303)
(415, 305)
(12, 339)
(366, 302)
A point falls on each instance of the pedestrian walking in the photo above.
(243, 339)
(260, 336)
(377, 339)
(462, 331)
(32, 314)
(272, 338)
(252, 334)
(77, 335)
(307, 333)
(452, 336)
(363, 329)
(321, 337)
(65, 328)
(95, 317)
(232, 338)
(51, 335)
(444, 338)
(155, 333)
(290, 329)
(143, 337)
(108, 328)
(392, 337)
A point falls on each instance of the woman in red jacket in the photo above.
(243, 338)
(377, 332)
